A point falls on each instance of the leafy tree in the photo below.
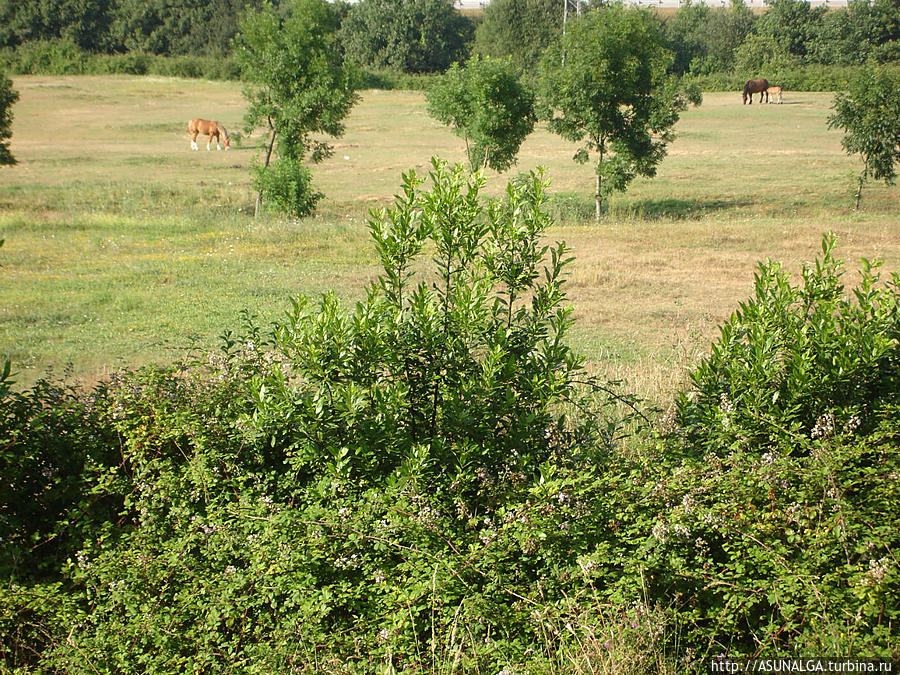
(835, 43)
(685, 36)
(606, 85)
(724, 32)
(793, 24)
(859, 32)
(8, 96)
(85, 22)
(298, 85)
(519, 29)
(869, 115)
(411, 36)
(179, 26)
(488, 106)
(760, 55)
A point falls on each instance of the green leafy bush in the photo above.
(63, 57)
(287, 184)
(485, 103)
(388, 79)
(428, 481)
(775, 533)
(796, 363)
(809, 77)
(373, 480)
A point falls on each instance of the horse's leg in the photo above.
(194, 145)
(208, 143)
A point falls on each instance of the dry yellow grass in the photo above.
(110, 216)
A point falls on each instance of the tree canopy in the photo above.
(488, 106)
(8, 96)
(411, 36)
(519, 29)
(869, 115)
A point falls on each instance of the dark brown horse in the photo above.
(208, 128)
(757, 86)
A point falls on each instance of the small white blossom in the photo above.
(878, 570)
(853, 424)
(725, 403)
(661, 532)
(824, 426)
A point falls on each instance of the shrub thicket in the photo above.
(63, 57)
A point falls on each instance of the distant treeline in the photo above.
(160, 27)
(397, 43)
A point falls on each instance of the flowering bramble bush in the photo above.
(428, 481)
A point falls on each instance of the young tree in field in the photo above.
(8, 96)
(869, 115)
(606, 85)
(298, 86)
(488, 106)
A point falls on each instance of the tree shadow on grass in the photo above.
(673, 208)
(576, 207)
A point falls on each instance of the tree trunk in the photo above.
(598, 201)
(265, 166)
(858, 192)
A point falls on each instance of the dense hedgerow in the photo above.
(428, 481)
(63, 57)
(795, 77)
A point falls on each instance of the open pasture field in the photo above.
(123, 246)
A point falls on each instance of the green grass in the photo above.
(123, 246)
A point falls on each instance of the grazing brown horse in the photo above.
(757, 86)
(207, 128)
(773, 95)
